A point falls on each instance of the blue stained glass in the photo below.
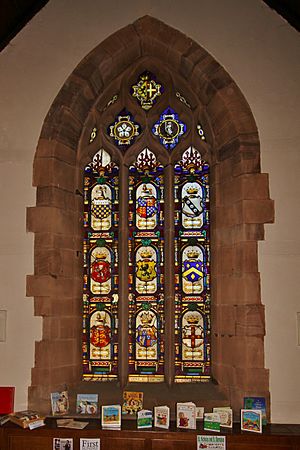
(169, 128)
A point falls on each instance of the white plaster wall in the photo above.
(260, 51)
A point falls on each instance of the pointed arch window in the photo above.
(146, 239)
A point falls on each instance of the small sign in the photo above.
(211, 442)
(89, 444)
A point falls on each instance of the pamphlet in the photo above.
(162, 417)
(132, 402)
(59, 403)
(89, 444)
(111, 416)
(144, 418)
(63, 444)
(212, 422)
(226, 416)
(186, 415)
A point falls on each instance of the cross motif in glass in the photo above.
(146, 90)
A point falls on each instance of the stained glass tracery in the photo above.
(100, 252)
(169, 128)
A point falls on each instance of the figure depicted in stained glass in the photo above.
(124, 129)
(146, 206)
(192, 335)
(101, 207)
(169, 128)
(146, 335)
(146, 90)
(100, 335)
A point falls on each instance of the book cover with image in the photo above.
(132, 402)
(59, 403)
(226, 416)
(144, 418)
(257, 403)
(212, 422)
(251, 420)
(186, 415)
(87, 404)
(111, 416)
(162, 417)
(63, 444)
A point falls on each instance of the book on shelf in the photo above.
(7, 397)
(258, 403)
(111, 416)
(144, 418)
(186, 415)
(212, 422)
(226, 416)
(132, 402)
(251, 420)
(87, 404)
(199, 412)
(162, 417)
(27, 419)
(59, 403)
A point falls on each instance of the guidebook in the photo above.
(87, 404)
(186, 415)
(111, 416)
(144, 418)
(212, 422)
(226, 416)
(59, 403)
(162, 417)
(251, 420)
(132, 402)
(257, 403)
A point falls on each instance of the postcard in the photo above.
(63, 444)
(60, 403)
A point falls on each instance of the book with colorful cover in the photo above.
(111, 416)
(251, 420)
(162, 417)
(7, 398)
(59, 403)
(27, 418)
(226, 416)
(144, 418)
(186, 415)
(257, 403)
(212, 422)
(132, 402)
(87, 404)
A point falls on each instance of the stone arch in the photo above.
(240, 196)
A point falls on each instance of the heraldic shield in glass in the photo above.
(192, 268)
(100, 293)
(146, 259)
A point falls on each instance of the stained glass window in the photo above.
(146, 269)
(192, 275)
(100, 296)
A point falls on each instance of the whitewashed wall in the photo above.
(259, 50)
